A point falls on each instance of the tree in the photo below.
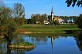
(33, 17)
(5, 14)
(10, 32)
(43, 18)
(7, 24)
(74, 2)
(56, 22)
(79, 21)
(37, 18)
(19, 13)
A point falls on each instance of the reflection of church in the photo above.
(52, 41)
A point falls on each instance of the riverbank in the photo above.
(34, 28)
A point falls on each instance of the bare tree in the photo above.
(19, 13)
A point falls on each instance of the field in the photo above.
(35, 28)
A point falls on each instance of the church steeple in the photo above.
(52, 14)
(52, 9)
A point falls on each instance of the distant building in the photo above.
(46, 22)
(60, 20)
(52, 17)
(70, 21)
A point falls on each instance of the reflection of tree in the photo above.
(17, 39)
(39, 38)
(8, 51)
(2, 48)
(79, 41)
(18, 51)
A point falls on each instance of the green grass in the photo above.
(23, 44)
(48, 28)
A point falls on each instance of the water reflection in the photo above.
(46, 45)
(53, 44)
(79, 41)
(5, 50)
(52, 40)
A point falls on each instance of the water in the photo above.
(47, 45)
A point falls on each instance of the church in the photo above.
(52, 18)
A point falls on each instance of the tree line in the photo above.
(65, 18)
(38, 19)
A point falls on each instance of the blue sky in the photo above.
(45, 6)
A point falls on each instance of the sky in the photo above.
(44, 7)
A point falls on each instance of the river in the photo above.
(63, 44)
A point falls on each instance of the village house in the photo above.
(60, 20)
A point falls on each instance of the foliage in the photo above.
(66, 18)
(38, 19)
(10, 32)
(23, 44)
(79, 21)
(5, 17)
(7, 24)
(56, 22)
(9, 20)
(29, 21)
(74, 2)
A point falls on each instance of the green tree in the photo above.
(9, 32)
(43, 18)
(73, 2)
(79, 21)
(38, 18)
(19, 13)
(5, 14)
(7, 24)
(56, 22)
(33, 17)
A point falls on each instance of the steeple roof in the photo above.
(52, 10)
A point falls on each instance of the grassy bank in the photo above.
(34, 28)
(22, 45)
